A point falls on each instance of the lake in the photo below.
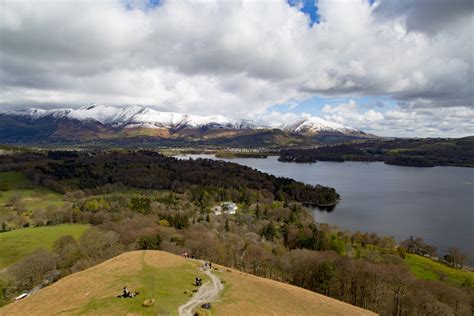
(436, 204)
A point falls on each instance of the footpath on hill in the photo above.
(207, 293)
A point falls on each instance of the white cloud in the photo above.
(277, 119)
(235, 58)
(426, 122)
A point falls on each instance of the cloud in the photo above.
(277, 119)
(426, 122)
(425, 15)
(235, 58)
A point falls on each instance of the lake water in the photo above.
(436, 204)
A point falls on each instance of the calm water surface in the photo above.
(434, 203)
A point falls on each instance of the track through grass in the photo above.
(167, 285)
(165, 277)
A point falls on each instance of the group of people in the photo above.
(205, 266)
(127, 294)
(186, 255)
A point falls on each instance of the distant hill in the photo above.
(168, 278)
(416, 152)
(143, 125)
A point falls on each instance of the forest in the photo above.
(404, 152)
(142, 200)
(64, 171)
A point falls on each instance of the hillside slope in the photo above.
(19, 243)
(130, 125)
(165, 277)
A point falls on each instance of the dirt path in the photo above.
(207, 293)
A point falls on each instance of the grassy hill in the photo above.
(168, 278)
(19, 243)
(427, 269)
(25, 193)
(246, 294)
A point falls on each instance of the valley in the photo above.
(245, 157)
(117, 202)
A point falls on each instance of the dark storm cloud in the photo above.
(426, 15)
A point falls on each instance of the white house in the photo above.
(225, 208)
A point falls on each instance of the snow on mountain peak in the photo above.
(138, 116)
(313, 124)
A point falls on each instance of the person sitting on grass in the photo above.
(126, 292)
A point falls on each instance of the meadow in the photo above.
(428, 269)
(17, 244)
(18, 190)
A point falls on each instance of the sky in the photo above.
(388, 67)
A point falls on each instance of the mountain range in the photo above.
(131, 124)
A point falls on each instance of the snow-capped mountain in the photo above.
(144, 117)
(135, 116)
(314, 125)
(144, 125)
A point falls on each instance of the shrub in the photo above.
(31, 270)
(4, 187)
(151, 243)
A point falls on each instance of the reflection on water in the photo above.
(328, 209)
(320, 208)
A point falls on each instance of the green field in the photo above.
(427, 269)
(30, 197)
(17, 244)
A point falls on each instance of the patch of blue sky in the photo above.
(141, 4)
(308, 7)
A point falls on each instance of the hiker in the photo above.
(193, 256)
(198, 281)
(210, 265)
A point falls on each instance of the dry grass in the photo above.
(93, 291)
(72, 293)
(246, 294)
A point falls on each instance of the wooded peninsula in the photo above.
(403, 152)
